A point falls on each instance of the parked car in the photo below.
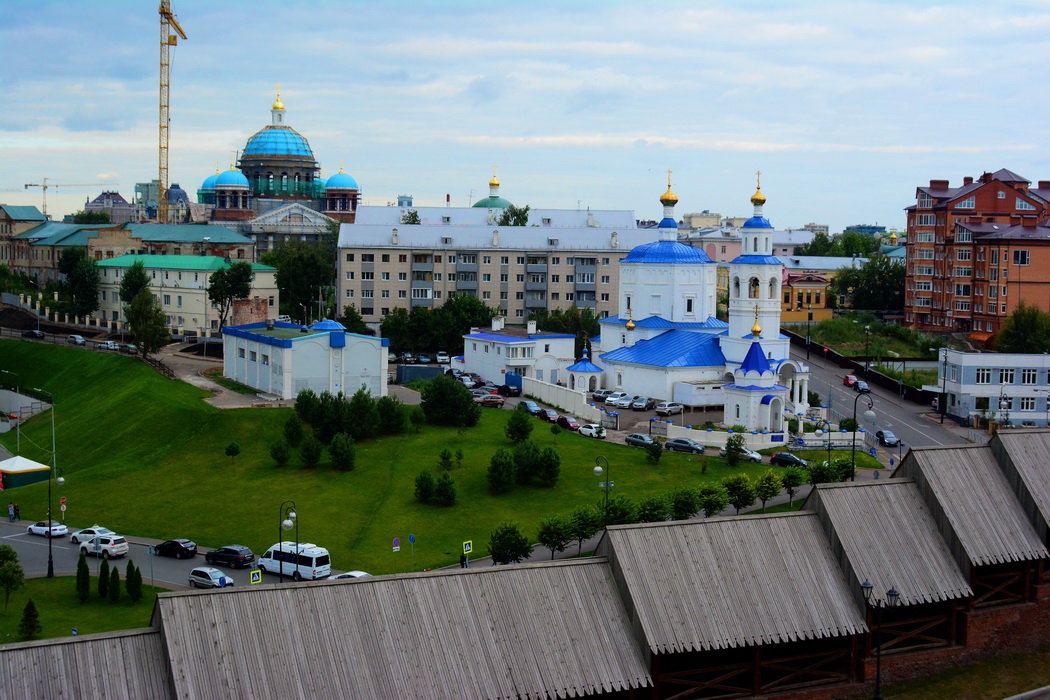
(786, 459)
(935, 404)
(625, 401)
(180, 549)
(76, 340)
(353, 574)
(130, 349)
(453, 372)
(747, 453)
(234, 555)
(88, 532)
(887, 438)
(684, 445)
(109, 345)
(530, 407)
(509, 390)
(408, 358)
(466, 381)
(849, 380)
(424, 359)
(39, 335)
(490, 400)
(639, 440)
(209, 577)
(666, 408)
(442, 358)
(106, 546)
(593, 430)
(600, 394)
(643, 404)
(612, 398)
(569, 423)
(478, 393)
(45, 530)
(861, 387)
(549, 415)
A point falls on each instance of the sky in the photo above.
(845, 107)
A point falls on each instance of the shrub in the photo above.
(417, 419)
(519, 427)
(133, 582)
(713, 499)
(735, 444)
(281, 453)
(310, 451)
(507, 545)
(307, 406)
(342, 452)
(739, 428)
(555, 534)
(444, 462)
(555, 429)
(445, 491)
(425, 487)
(793, 425)
(30, 626)
(526, 462)
(293, 430)
(113, 589)
(500, 474)
(232, 450)
(848, 424)
(83, 579)
(362, 416)
(393, 420)
(103, 580)
(446, 401)
(653, 510)
(685, 503)
(548, 468)
(622, 511)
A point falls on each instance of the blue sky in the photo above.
(844, 106)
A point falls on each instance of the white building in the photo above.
(284, 358)
(497, 351)
(1010, 388)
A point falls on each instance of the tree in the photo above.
(147, 321)
(445, 463)
(514, 216)
(877, 285)
(133, 582)
(445, 326)
(447, 402)
(12, 577)
(792, 478)
(83, 579)
(308, 407)
(507, 545)
(293, 430)
(554, 534)
(303, 269)
(584, 523)
(227, 284)
(395, 327)
(363, 416)
(392, 417)
(767, 487)
(69, 257)
(83, 287)
(91, 217)
(582, 323)
(826, 472)
(103, 580)
(713, 499)
(653, 510)
(310, 451)
(500, 473)
(445, 490)
(653, 452)
(735, 444)
(134, 281)
(526, 462)
(113, 589)
(410, 217)
(425, 487)
(354, 322)
(280, 452)
(417, 419)
(232, 450)
(519, 427)
(685, 503)
(848, 424)
(621, 511)
(30, 626)
(1026, 330)
(548, 468)
(342, 452)
(741, 491)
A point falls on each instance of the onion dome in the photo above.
(177, 195)
(756, 329)
(893, 239)
(278, 141)
(492, 202)
(630, 325)
(758, 199)
(493, 182)
(277, 104)
(209, 182)
(231, 178)
(666, 252)
(341, 181)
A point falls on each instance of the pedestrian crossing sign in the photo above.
(468, 546)
(256, 576)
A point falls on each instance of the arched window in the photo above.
(752, 288)
(736, 287)
(772, 287)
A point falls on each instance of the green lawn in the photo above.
(60, 609)
(997, 678)
(145, 455)
(216, 376)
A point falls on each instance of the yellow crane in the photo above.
(168, 24)
(44, 185)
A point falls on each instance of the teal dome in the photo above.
(492, 202)
(209, 182)
(231, 178)
(278, 141)
(341, 181)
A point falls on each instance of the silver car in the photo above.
(666, 408)
(209, 577)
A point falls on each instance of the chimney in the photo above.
(497, 323)
(1044, 184)
(530, 327)
(967, 180)
(614, 241)
(393, 237)
(938, 184)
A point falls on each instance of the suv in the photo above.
(509, 390)
(887, 438)
(614, 397)
(76, 340)
(235, 556)
(666, 408)
(209, 577)
(106, 546)
(600, 394)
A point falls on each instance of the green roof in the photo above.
(23, 213)
(57, 233)
(492, 202)
(185, 233)
(177, 262)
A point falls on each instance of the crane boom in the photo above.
(168, 24)
(44, 185)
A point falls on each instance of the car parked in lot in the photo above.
(569, 423)
(75, 340)
(593, 430)
(46, 529)
(684, 445)
(88, 532)
(424, 359)
(352, 574)
(624, 401)
(886, 438)
(106, 546)
(489, 400)
(39, 335)
(442, 358)
(861, 387)
(529, 406)
(549, 415)
(180, 549)
(234, 555)
(747, 454)
(209, 577)
(109, 345)
(129, 349)
(612, 398)
(509, 390)
(600, 394)
(407, 358)
(786, 459)
(643, 403)
(666, 408)
(849, 380)
(481, 391)
(639, 440)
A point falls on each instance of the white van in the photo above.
(302, 561)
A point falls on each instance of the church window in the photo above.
(752, 291)
(736, 287)
(628, 302)
(787, 296)
(689, 305)
(738, 411)
(772, 287)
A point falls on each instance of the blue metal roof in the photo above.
(667, 222)
(584, 365)
(659, 322)
(231, 177)
(341, 181)
(328, 325)
(757, 259)
(675, 348)
(278, 141)
(209, 182)
(665, 252)
(497, 338)
(755, 360)
(752, 387)
(757, 222)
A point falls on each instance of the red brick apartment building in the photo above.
(974, 252)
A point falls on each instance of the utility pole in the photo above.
(168, 23)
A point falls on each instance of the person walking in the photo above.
(463, 561)
(18, 512)
(10, 511)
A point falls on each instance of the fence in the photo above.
(563, 398)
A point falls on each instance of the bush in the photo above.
(713, 499)
(281, 453)
(653, 510)
(342, 452)
(519, 427)
(393, 419)
(555, 429)
(293, 430)
(622, 511)
(829, 473)
(425, 488)
(735, 444)
(444, 462)
(113, 589)
(555, 534)
(654, 452)
(83, 579)
(417, 419)
(307, 407)
(548, 468)
(30, 626)
(232, 450)
(685, 503)
(133, 582)
(446, 401)
(445, 491)
(526, 462)
(500, 474)
(739, 429)
(103, 580)
(792, 425)
(848, 424)
(310, 451)
(362, 416)
(507, 545)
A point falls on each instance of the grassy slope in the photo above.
(144, 455)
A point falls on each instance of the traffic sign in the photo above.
(62, 507)
(62, 500)
(397, 544)
(468, 546)
(255, 576)
(411, 539)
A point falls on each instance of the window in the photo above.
(968, 203)
(963, 254)
(1024, 205)
(1022, 257)
(924, 286)
(486, 277)
(468, 259)
(504, 277)
(569, 296)
(503, 295)
(367, 294)
(924, 237)
(240, 353)
(349, 294)
(605, 261)
(555, 260)
(519, 295)
(984, 375)
(1027, 403)
(368, 258)
(438, 277)
(451, 259)
(402, 294)
(486, 295)
(569, 279)
(385, 293)
(420, 293)
(605, 279)
(266, 359)
(1006, 376)
(402, 258)
(962, 290)
(167, 300)
(924, 270)
(963, 271)
(504, 260)
(546, 347)
(605, 297)
(368, 275)
(926, 220)
(963, 236)
(402, 276)
(385, 276)
(520, 278)
(253, 356)
(1028, 376)
(555, 279)
(924, 254)
(349, 257)
(962, 306)
(521, 260)
(1000, 195)
(367, 310)
(349, 275)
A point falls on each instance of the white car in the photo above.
(106, 546)
(353, 574)
(442, 358)
(593, 430)
(209, 577)
(746, 453)
(625, 401)
(109, 345)
(88, 532)
(44, 530)
(614, 397)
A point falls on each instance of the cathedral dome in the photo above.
(492, 202)
(341, 181)
(209, 182)
(665, 252)
(231, 177)
(278, 141)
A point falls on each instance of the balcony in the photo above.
(426, 303)
(467, 285)
(536, 268)
(422, 267)
(540, 303)
(535, 286)
(585, 287)
(466, 267)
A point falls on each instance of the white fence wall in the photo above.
(563, 398)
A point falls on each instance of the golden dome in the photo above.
(277, 104)
(669, 198)
(758, 198)
(756, 329)
(893, 239)
(630, 325)
(493, 182)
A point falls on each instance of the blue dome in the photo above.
(327, 325)
(231, 178)
(177, 195)
(667, 222)
(666, 252)
(757, 222)
(209, 182)
(341, 181)
(278, 141)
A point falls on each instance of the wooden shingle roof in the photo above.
(533, 631)
(1025, 458)
(731, 582)
(882, 532)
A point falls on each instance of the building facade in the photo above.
(528, 352)
(1012, 389)
(941, 256)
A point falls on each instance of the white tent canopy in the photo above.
(21, 464)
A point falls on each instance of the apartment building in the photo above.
(953, 232)
(563, 257)
(1010, 388)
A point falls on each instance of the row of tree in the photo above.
(442, 328)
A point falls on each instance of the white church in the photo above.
(665, 341)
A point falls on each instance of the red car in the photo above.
(849, 380)
(569, 423)
(549, 415)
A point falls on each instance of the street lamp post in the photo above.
(943, 400)
(877, 605)
(51, 477)
(825, 424)
(869, 416)
(1004, 407)
(607, 484)
(867, 343)
(286, 520)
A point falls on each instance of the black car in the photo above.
(639, 440)
(600, 395)
(234, 555)
(861, 387)
(549, 415)
(39, 335)
(509, 390)
(786, 459)
(180, 549)
(684, 445)
(887, 438)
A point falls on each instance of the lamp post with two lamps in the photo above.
(877, 605)
(286, 520)
(51, 477)
(869, 416)
(606, 485)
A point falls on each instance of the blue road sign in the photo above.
(411, 539)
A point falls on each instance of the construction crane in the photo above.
(45, 185)
(168, 24)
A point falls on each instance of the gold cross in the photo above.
(668, 178)
(756, 312)
(278, 86)
(494, 170)
(758, 178)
